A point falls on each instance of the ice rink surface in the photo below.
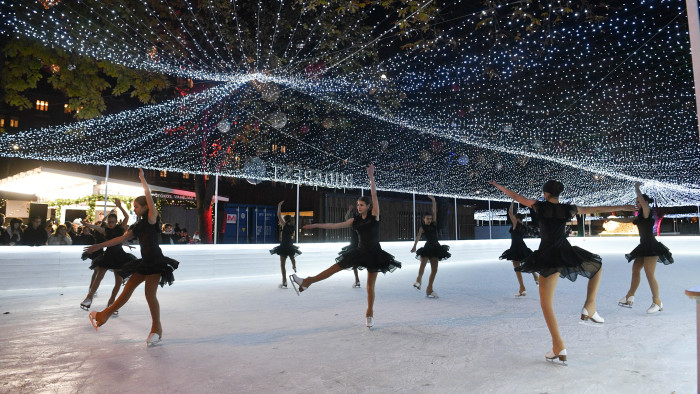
(242, 334)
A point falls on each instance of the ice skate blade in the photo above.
(369, 321)
(432, 295)
(297, 281)
(93, 320)
(624, 305)
(556, 358)
(520, 295)
(153, 339)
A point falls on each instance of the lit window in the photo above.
(274, 147)
(206, 177)
(14, 122)
(185, 175)
(283, 149)
(2, 122)
(42, 105)
(190, 83)
(163, 174)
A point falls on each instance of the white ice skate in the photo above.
(153, 339)
(432, 295)
(417, 285)
(283, 286)
(655, 308)
(558, 358)
(297, 281)
(596, 318)
(626, 301)
(370, 321)
(356, 285)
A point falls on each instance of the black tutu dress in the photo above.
(368, 254)
(518, 250)
(286, 247)
(114, 257)
(91, 240)
(432, 247)
(152, 260)
(555, 254)
(353, 243)
(648, 245)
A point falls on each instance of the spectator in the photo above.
(184, 237)
(60, 236)
(35, 235)
(2, 225)
(13, 233)
(167, 236)
(85, 237)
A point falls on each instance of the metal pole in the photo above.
(456, 221)
(216, 210)
(104, 210)
(297, 219)
(414, 216)
(362, 191)
(490, 235)
(694, 31)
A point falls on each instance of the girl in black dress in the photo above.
(152, 267)
(646, 254)
(368, 254)
(518, 250)
(556, 257)
(112, 259)
(286, 248)
(432, 250)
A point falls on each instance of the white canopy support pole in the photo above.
(104, 210)
(456, 222)
(216, 210)
(414, 216)
(698, 217)
(296, 222)
(490, 234)
(694, 31)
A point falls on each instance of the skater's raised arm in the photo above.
(515, 196)
(152, 212)
(641, 201)
(330, 226)
(511, 214)
(415, 242)
(280, 219)
(94, 227)
(434, 208)
(373, 189)
(605, 208)
(125, 222)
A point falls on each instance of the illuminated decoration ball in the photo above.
(303, 129)
(270, 92)
(224, 126)
(15, 147)
(55, 68)
(254, 170)
(327, 123)
(384, 144)
(424, 155)
(277, 120)
(463, 160)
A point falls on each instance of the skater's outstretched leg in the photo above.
(433, 272)
(153, 305)
(327, 273)
(592, 292)
(649, 269)
(516, 264)
(129, 288)
(548, 285)
(636, 276)
(283, 267)
(371, 279)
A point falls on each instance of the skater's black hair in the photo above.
(141, 200)
(114, 215)
(648, 199)
(287, 219)
(520, 216)
(368, 202)
(553, 187)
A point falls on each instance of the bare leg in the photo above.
(333, 269)
(129, 288)
(118, 280)
(92, 280)
(536, 277)
(433, 272)
(153, 305)
(592, 292)
(636, 276)
(357, 276)
(548, 285)
(423, 263)
(294, 263)
(516, 264)
(649, 269)
(97, 280)
(283, 259)
(371, 279)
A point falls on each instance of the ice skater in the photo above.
(112, 259)
(353, 245)
(518, 250)
(368, 254)
(432, 250)
(286, 248)
(646, 254)
(556, 257)
(153, 268)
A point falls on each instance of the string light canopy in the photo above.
(596, 95)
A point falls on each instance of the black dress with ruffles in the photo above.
(152, 260)
(286, 247)
(648, 245)
(114, 257)
(555, 254)
(353, 243)
(368, 254)
(432, 247)
(518, 249)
